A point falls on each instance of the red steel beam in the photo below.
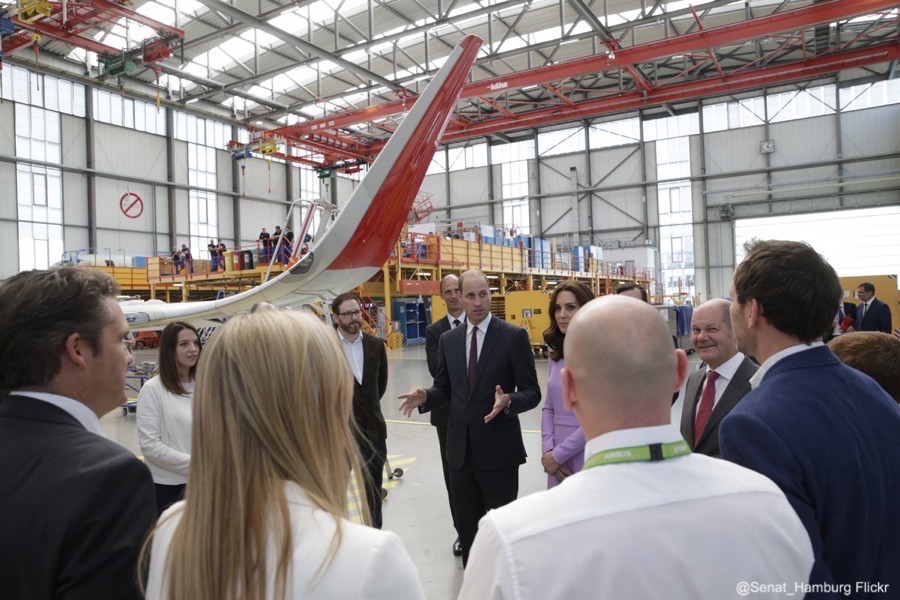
(769, 76)
(800, 18)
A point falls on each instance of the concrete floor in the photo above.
(416, 507)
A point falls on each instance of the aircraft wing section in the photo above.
(359, 242)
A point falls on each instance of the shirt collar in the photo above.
(344, 340)
(461, 317)
(77, 410)
(482, 326)
(728, 368)
(773, 360)
(626, 438)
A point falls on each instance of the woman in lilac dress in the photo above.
(562, 445)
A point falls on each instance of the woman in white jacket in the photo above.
(164, 413)
(265, 515)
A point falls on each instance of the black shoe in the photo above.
(457, 548)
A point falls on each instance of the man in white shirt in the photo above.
(75, 507)
(711, 392)
(646, 518)
(368, 362)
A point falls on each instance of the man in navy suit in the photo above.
(455, 318)
(872, 313)
(75, 507)
(486, 373)
(824, 432)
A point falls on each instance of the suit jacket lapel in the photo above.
(737, 389)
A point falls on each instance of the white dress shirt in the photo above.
(78, 411)
(461, 318)
(726, 373)
(353, 350)
(684, 527)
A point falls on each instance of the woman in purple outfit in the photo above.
(562, 440)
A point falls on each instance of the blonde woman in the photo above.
(164, 413)
(266, 504)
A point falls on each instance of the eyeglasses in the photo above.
(350, 315)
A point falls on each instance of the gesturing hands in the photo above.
(501, 402)
(412, 400)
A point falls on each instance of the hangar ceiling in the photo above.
(330, 80)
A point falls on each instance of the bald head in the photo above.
(621, 367)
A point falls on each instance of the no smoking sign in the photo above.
(131, 205)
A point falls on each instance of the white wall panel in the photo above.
(722, 190)
(735, 150)
(75, 208)
(226, 219)
(123, 150)
(804, 141)
(255, 215)
(469, 186)
(75, 238)
(616, 166)
(871, 131)
(9, 247)
(116, 200)
(556, 176)
(182, 225)
(180, 160)
(619, 208)
(73, 132)
(116, 244)
(873, 169)
(436, 185)
(7, 129)
(259, 181)
(796, 182)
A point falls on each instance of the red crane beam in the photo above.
(800, 18)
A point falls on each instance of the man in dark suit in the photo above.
(711, 392)
(368, 361)
(74, 506)
(873, 314)
(824, 432)
(486, 372)
(455, 317)
(838, 327)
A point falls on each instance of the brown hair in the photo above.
(553, 337)
(39, 310)
(874, 353)
(336, 303)
(168, 367)
(797, 289)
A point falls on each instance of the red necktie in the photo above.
(473, 358)
(706, 405)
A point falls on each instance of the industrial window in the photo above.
(438, 162)
(615, 133)
(466, 157)
(38, 188)
(879, 93)
(310, 189)
(561, 141)
(203, 205)
(126, 112)
(669, 127)
(515, 212)
(44, 91)
(801, 104)
(676, 237)
(734, 115)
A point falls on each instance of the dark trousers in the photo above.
(442, 441)
(474, 492)
(167, 495)
(375, 453)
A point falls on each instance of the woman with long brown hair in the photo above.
(265, 515)
(562, 441)
(164, 413)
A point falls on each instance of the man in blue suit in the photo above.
(872, 313)
(824, 432)
(486, 373)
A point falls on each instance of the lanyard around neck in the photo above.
(648, 453)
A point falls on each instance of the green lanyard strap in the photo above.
(651, 452)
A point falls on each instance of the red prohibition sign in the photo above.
(131, 205)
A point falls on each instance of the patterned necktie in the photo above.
(706, 405)
(473, 357)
